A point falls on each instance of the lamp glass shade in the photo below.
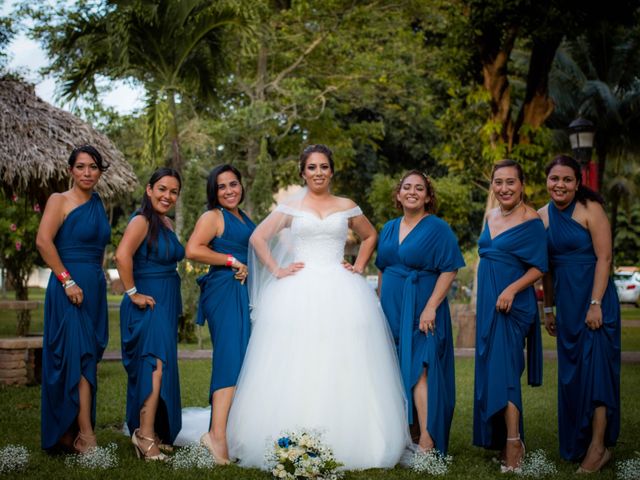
(581, 140)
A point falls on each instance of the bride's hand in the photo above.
(289, 270)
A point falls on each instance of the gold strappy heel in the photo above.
(144, 452)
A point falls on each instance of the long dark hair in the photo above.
(212, 183)
(92, 152)
(429, 207)
(147, 210)
(583, 193)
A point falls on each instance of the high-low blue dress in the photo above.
(588, 360)
(224, 303)
(74, 336)
(151, 334)
(500, 337)
(410, 271)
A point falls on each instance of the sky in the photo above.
(26, 57)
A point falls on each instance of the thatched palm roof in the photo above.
(36, 140)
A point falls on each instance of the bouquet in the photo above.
(301, 454)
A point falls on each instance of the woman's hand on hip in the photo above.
(240, 271)
(290, 269)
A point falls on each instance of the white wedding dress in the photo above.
(321, 356)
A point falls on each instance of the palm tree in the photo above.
(597, 76)
(174, 49)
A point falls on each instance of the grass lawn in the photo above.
(20, 423)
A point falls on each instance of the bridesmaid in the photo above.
(147, 258)
(512, 257)
(220, 239)
(418, 256)
(587, 321)
(73, 234)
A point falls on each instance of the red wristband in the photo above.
(64, 276)
(230, 260)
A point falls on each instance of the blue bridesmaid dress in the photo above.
(500, 337)
(151, 334)
(409, 273)
(74, 336)
(588, 360)
(224, 303)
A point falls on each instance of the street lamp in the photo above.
(581, 135)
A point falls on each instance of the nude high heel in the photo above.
(144, 452)
(84, 442)
(518, 468)
(205, 441)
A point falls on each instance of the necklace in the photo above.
(506, 213)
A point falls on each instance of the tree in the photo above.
(174, 49)
(596, 76)
(19, 225)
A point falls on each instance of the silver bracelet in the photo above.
(547, 309)
(132, 291)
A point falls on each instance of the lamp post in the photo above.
(581, 134)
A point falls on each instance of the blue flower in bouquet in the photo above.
(284, 442)
(300, 455)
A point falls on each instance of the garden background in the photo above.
(444, 86)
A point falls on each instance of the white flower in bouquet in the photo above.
(301, 455)
(13, 458)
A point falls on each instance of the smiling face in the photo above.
(85, 172)
(562, 184)
(317, 172)
(164, 194)
(507, 187)
(413, 195)
(229, 190)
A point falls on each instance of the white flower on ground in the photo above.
(13, 458)
(96, 458)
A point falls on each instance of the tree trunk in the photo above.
(253, 142)
(495, 57)
(22, 293)
(176, 157)
(537, 104)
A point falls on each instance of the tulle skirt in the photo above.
(321, 356)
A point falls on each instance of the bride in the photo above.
(320, 354)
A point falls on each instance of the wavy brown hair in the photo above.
(432, 204)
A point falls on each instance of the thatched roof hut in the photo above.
(36, 140)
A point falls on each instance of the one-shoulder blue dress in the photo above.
(224, 303)
(500, 337)
(410, 271)
(151, 334)
(74, 336)
(588, 360)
